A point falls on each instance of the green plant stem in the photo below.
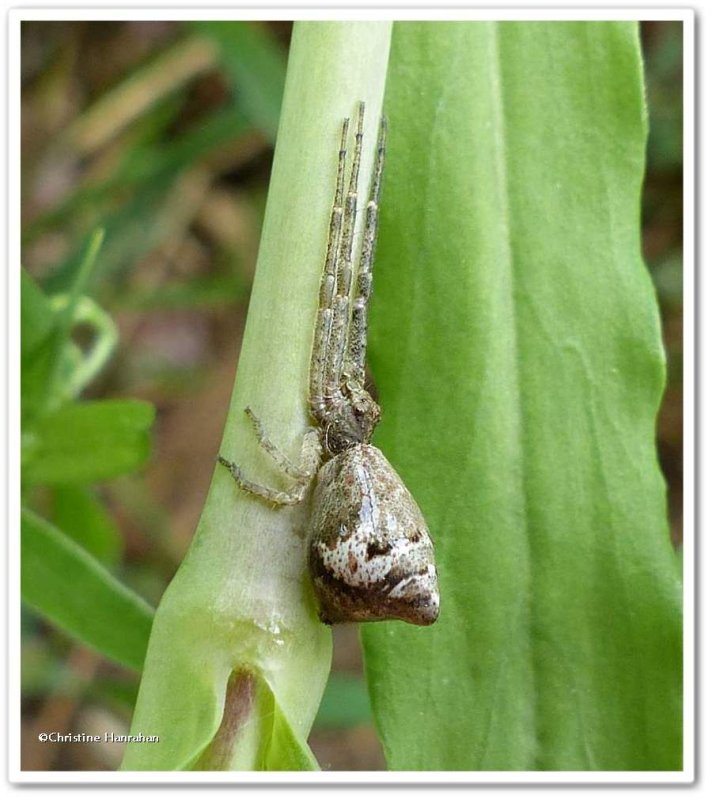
(241, 600)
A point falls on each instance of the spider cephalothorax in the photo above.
(350, 419)
(370, 554)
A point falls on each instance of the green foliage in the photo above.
(79, 512)
(53, 368)
(66, 443)
(141, 203)
(68, 586)
(516, 347)
(88, 442)
(255, 66)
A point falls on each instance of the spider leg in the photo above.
(355, 367)
(308, 465)
(322, 331)
(340, 322)
(283, 461)
(343, 284)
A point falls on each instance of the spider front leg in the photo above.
(327, 292)
(355, 360)
(331, 332)
(303, 473)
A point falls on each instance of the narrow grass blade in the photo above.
(71, 588)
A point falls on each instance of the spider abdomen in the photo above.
(370, 553)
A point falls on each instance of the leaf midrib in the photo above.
(502, 177)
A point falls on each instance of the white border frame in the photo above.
(82, 11)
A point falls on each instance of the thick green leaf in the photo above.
(66, 584)
(516, 347)
(87, 442)
(241, 601)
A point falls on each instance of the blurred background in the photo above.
(162, 133)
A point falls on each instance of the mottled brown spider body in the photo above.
(370, 553)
